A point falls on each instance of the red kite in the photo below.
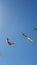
(9, 42)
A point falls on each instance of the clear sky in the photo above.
(17, 16)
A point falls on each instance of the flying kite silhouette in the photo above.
(29, 38)
(9, 42)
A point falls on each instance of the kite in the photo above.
(24, 34)
(28, 38)
(1, 54)
(35, 29)
(9, 42)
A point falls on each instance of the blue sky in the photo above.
(17, 16)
